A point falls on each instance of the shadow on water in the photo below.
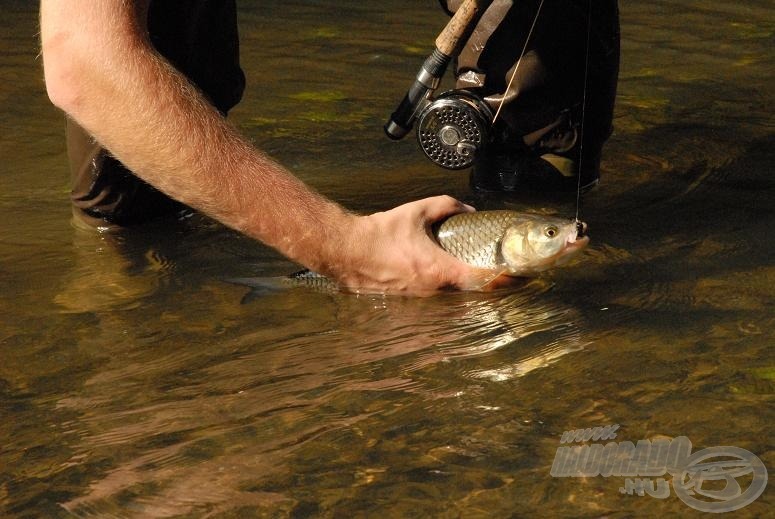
(696, 238)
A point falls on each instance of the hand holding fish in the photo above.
(422, 247)
(403, 257)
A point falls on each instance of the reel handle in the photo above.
(448, 45)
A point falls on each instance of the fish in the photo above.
(512, 243)
(501, 242)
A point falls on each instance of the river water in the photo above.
(135, 381)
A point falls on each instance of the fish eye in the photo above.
(551, 231)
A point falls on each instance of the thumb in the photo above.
(438, 207)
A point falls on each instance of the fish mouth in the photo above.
(573, 247)
(581, 229)
(579, 238)
(577, 242)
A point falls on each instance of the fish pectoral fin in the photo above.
(488, 279)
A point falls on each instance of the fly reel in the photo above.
(454, 128)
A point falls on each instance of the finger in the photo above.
(438, 207)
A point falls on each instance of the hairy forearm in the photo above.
(103, 72)
(101, 69)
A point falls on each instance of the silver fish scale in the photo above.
(476, 237)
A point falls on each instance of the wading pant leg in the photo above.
(200, 39)
(104, 192)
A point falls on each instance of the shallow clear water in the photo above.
(136, 382)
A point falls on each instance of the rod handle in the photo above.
(451, 38)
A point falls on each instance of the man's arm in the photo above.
(101, 69)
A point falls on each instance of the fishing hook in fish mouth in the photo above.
(581, 229)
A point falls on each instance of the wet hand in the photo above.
(394, 252)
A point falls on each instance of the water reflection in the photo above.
(186, 427)
(134, 383)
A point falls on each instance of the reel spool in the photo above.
(454, 128)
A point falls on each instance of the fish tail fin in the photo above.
(259, 287)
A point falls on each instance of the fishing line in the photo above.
(584, 95)
(516, 67)
(583, 108)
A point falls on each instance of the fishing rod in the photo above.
(583, 111)
(454, 127)
(448, 45)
